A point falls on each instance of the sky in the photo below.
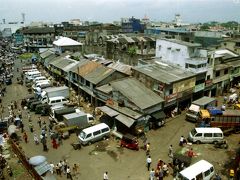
(56, 11)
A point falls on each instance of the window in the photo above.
(225, 71)
(217, 135)
(207, 173)
(211, 169)
(170, 91)
(217, 73)
(105, 130)
(198, 135)
(208, 77)
(89, 135)
(59, 100)
(64, 99)
(97, 133)
(208, 135)
(159, 47)
(88, 83)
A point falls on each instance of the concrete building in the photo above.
(175, 85)
(132, 25)
(232, 44)
(66, 44)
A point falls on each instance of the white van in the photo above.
(200, 170)
(205, 135)
(57, 100)
(94, 133)
(40, 83)
(32, 75)
(31, 70)
(40, 78)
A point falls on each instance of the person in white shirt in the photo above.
(69, 173)
(52, 167)
(105, 176)
(149, 161)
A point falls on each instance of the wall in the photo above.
(172, 55)
(184, 85)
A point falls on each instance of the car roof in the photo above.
(56, 98)
(193, 170)
(96, 127)
(207, 130)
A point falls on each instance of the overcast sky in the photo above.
(111, 10)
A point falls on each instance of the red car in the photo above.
(129, 141)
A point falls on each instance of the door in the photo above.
(198, 137)
(208, 137)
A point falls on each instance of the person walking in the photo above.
(54, 143)
(69, 175)
(148, 149)
(25, 137)
(75, 169)
(181, 141)
(151, 174)
(105, 176)
(39, 122)
(31, 127)
(58, 170)
(170, 151)
(52, 167)
(35, 138)
(60, 167)
(149, 161)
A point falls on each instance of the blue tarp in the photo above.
(214, 111)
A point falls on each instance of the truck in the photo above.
(74, 122)
(54, 92)
(192, 113)
(56, 113)
(228, 120)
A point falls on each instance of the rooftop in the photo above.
(133, 90)
(164, 72)
(184, 43)
(65, 41)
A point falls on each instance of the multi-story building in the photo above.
(132, 25)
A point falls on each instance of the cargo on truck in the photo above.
(73, 122)
(54, 92)
(57, 113)
(203, 103)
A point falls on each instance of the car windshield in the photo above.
(193, 132)
(82, 135)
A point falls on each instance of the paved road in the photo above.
(121, 163)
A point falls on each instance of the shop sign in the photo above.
(171, 97)
(199, 87)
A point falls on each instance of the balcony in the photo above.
(197, 60)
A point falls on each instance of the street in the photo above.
(121, 163)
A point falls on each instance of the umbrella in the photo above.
(36, 160)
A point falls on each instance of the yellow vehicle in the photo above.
(204, 118)
(204, 114)
(237, 106)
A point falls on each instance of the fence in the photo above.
(24, 160)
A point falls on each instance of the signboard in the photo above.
(171, 97)
(184, 85)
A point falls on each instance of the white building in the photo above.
(184, 54)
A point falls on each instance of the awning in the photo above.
(158, 115)
(125, 120)
(110, 112)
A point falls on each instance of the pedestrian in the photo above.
(25, 137)
(160, 174)
(181, 141)
(54, 143)
(149, 161)
(76, 169)
(190, 153)
(29, 117)
(12, 105)
(64, 163)
(58, 170)
(22, 127)
(165, 169)
(39, 122)
(69, 175)
(44, 143)
(15, 104)
(52, 167)
(60, 139)
(225, 99)
(105, 176)
(170, 151)
(151, 174)
(31, 127)
(148, 149)
(35, 138)
(19, 113)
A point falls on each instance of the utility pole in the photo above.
(78, 86)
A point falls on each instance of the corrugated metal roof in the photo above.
(46, 54)
(98, 74)
(126, 111)
(62, 63)
(221, 66)
(125, 120)
(137, 93)
(87, 67)
(105, 88)
(123, 68)
(184, 43)
(110, 112)
(164, 72)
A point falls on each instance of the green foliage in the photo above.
(26, 56)
(132, 51)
